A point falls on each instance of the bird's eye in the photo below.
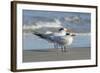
(67, 34)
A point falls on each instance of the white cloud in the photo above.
(42, 24)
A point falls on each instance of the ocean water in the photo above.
(79, 22)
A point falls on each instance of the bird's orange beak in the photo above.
(73, 34)
(70, 31)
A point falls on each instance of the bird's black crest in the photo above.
(61, 29)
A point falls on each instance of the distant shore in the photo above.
(56, 54)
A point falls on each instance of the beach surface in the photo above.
(56, 54)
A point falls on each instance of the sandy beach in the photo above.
(56, 55)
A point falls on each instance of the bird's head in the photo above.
(63, 29)
(66, 30)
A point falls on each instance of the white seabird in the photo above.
(62, 38)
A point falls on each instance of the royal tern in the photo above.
(62, 38)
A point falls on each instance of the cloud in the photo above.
(73, 19)
(42, 24)
(54, 24)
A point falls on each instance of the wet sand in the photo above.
(56, 55)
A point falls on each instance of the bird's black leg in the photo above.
(64, 48)
(61, 48)
(57, 45)
(54, 45)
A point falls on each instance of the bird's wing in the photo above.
(51, 38)
(43, 35)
